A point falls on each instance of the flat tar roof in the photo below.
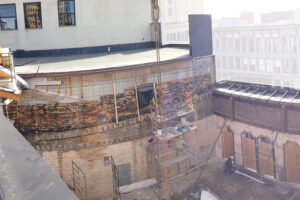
(74, 63)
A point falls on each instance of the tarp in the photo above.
(145, 95)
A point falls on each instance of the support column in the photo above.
(284, 118)
(231, 108)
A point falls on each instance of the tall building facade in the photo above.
(259, 54)
(69, 24)
(174, 19)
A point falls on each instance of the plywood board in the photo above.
(292, 162)
(249, 153)
(228, 144)
(266, 159)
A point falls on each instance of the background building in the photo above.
(245, 19)
(279, 17)
(259, 54)
(60, 24)
(174, 19)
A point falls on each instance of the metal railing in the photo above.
(79, 181)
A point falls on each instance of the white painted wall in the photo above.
(98, 22)
(175, 27)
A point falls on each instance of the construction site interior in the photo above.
(147, 124)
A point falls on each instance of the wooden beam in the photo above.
(9, 95)
(137, 102)
(4, 75)
(58, 89)
(155, 95)
(38, 94)
(115, 97)
(81, 88)
(38, 98)
(70, 84)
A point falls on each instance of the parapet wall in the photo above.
(262, 113)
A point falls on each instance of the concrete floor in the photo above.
(226, 187)
(95, 61)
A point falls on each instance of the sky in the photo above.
(232, 8)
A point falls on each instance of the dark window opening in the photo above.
(33, 15)
(66, 13)
(8, 17)
(146, 96)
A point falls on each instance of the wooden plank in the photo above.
(38, 94)
(38, 98)
(115, 98)
(81, 88)
(70, 86)
(58, 89)
(137, 102)
(292, 156)
(249, 153)
(4, 75)
(9, 95)
(228, 144)
(266, 160)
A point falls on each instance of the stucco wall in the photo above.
(98, 23)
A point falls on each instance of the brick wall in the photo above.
(81, 126)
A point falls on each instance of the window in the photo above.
(252, 65)
(237, 63)
(230, 62)
(66, 13)
(8, 17)
(277, 66)
(170, 13)
(33, 15)
(261, 65)
(245, 64)
(170, 1)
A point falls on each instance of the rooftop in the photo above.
(75, 63)
(261, 92)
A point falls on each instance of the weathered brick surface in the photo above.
(99, 174)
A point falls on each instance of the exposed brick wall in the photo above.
(84, 129)
(70, 116)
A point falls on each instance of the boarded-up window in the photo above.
(292, 162)
(249, 153)
(266, 159)
(228, 144)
